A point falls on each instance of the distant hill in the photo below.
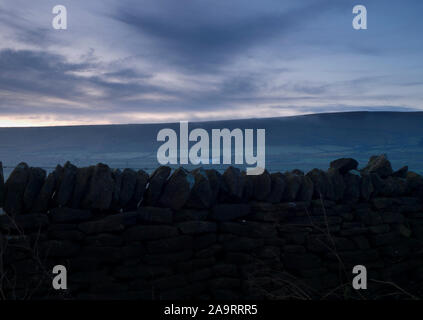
(302, 142)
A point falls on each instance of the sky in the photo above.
(127, 61)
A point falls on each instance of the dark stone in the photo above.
(278, 187)
(262, 186)
(170, 245)
(293, 185)
(137, 199)
(103, 254)
(338, 183)
(201, 193)
(67, 184)
(155, 185)
(226, 212)
(43, 201)
(23, 222)
(104, 240)
(177, 189)
(401, 173)
(241, 244)
(1, 185)
(249, 229)
(15, 189)
(414, 184)
(101, 189)
(352, 188)
(204, 240)
(68, 235)
(141, 271)
(190, 215)
(58, 248)
(36, 180)
(323, 188)
(234, 182)
(127, 189)
(295, 261)
(306, 190)
(82, 180)
(117, 179)
(153, 232)
(248, 192)
(155, 215)
(379, 165)
(215, 180)
(344, 165)
(112, 223)
(366, 187)
(197, 227)
(167, 258)
(66, 215)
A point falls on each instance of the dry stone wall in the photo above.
(205, 235)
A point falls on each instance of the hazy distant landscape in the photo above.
(302, 142)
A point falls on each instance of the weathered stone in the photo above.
(141, 271)
(295, 261)
(414, 184)
(167, 258)
(366, 187)
(234, 182)
(101, 189)
(379, 165)
(401, 173)
(82, 180)
(278, 187)
(249, 229)
(306, 190)
(204, 240)
(262, 185)
(352, 188)
(323, 188)
(248, 192)
(67, 184)
(113, 223)
(180, 243)
(103, 254)
(241, 244)
(58, 248)
(155, 215)
(197, 227)
(15, 189)
(117, 181)
(68, 235)
(42, 203)
(393, 186)
(23, 222)
(215, 181)
(127, 189)
(1, 185)
(35, 183)
(156, 183)
(337, 182)
(104, 240)
(226, 212)
(66, 215)
(201, 193)
(177, 189)
(369, 218)
(190, 215)
(153, 232)
(344, 165)
(293, 185)
(138, 198)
